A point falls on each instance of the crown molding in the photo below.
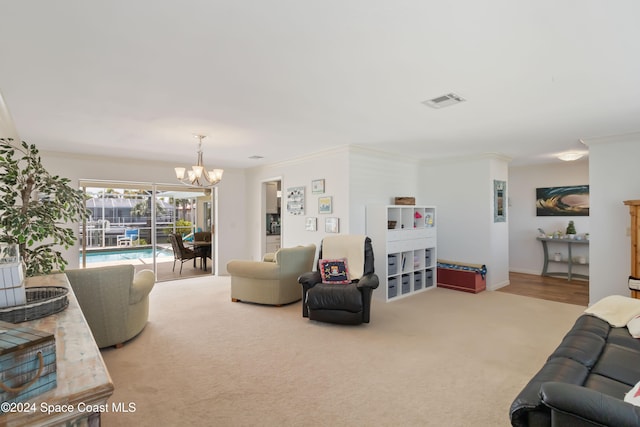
(469, 158)
(361, 149)
(381, 154)
(611, 139)
(295, 160)
(120, 159)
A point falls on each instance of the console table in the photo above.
(83, 382)
(569, 261)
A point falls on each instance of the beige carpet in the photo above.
(439, 358)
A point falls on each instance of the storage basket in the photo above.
(41, 302)
(406, 283)
(392, 262)
(27, 363)
(405, 200)
(392, 288)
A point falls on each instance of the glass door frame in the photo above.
(156, 191)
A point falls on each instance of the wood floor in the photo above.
(548, 288)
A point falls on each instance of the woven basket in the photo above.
(41, 302)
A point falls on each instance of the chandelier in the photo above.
(198, 176)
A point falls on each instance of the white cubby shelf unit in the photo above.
(404, 246)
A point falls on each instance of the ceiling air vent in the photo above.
(444, 100)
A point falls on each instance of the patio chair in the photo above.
(202, 246)
(190, 237)
(180, 253)
(130, 235)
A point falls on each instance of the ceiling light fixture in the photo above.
(198, 176)
(570, 156)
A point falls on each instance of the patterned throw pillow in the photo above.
(334, 271)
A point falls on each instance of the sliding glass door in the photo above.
(130, 223)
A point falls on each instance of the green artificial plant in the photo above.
(35, 208)
(571, 228)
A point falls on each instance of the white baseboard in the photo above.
(524, 271)
(498, 285)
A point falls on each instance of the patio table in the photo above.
(203, 248)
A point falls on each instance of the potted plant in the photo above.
(35, 208)
(571, 230)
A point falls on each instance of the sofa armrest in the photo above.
(141, 286)
(369, 281)
(310, 279)
(575, 405)
(254, 269)
(269, 257)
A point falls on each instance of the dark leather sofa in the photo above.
(584, 381)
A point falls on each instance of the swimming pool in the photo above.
(124, 255)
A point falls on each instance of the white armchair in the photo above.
(114, 300)
(274, 280)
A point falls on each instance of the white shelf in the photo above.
(404, 244)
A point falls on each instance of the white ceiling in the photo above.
(281, 78)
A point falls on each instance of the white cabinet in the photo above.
(404, 246)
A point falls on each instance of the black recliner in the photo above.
(341, 303)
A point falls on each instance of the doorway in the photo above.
(271, 212)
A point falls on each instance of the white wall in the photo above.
(332, 166)
(498, 253)
(525, 252)
(354, 177)
(230, 207)
(377, 178)
(231, 214)
(462, 190)
(613, 176)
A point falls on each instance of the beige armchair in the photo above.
(273, 282)
(114, 300)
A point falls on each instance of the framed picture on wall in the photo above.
(499, 201)
(324, 205)
(332, 225)
(295, 200)
(311, 224)
(317, 186)
(563, 201)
